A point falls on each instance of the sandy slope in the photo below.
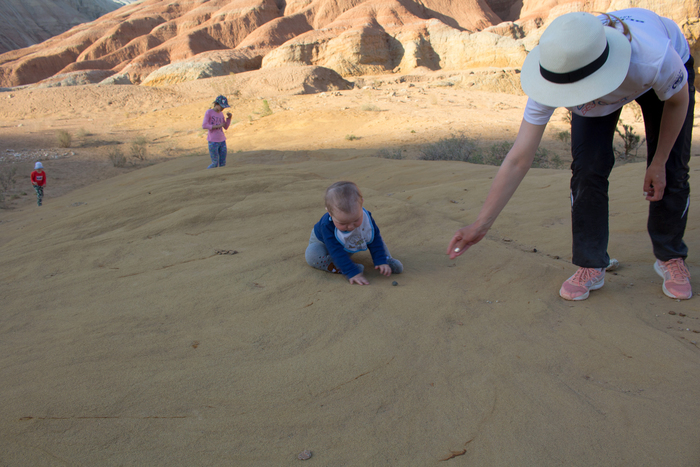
(127, 340)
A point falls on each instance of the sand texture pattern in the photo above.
(164, 315)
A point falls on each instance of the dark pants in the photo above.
(593, 160)
(39, 194)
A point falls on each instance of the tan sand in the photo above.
(125, 339)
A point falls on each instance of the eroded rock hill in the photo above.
(156, 42)
(28, 22)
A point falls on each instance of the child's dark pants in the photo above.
(39, 194)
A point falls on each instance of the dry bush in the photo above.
(117, 157)
(82, 133)
(64, 138)
(564, 136)
(544, 160)
(462, 148)
(7, 178)
(456, 148)
(497, 152)
(636, 111)
(394, 153)
(631, 142)
(7, 182)
(265, 109)
(139, 148)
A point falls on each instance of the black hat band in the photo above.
(576, 75)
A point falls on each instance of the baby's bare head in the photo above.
(343, 196)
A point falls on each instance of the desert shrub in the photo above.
(394, 153)
(7, 178)
(544, 160)
(64, 138)
(139, 148)
(630, 143)
(517, 31)
(171, 150)
(370, 108)
(557, 163)
(7, 182)
(455, 148)
(493, 155)
(564, 136)
(497, 152)
(636, 110)
(568, 117)
(117, 157)
(351, 137)
(265, 109)
(82, 133)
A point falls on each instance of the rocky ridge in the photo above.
(157, 42)
(27, 22)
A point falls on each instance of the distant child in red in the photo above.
(39, 181)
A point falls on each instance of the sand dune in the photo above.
(127, 338)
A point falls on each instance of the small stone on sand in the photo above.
(304, 455)
(394, 283)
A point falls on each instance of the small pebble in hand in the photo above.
(456, 250)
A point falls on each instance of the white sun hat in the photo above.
(577, 60)
(38, 166)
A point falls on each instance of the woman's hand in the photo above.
(655, 182)
(672, 120)
(465, 238)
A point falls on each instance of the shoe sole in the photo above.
(584, 296)
(663, 284)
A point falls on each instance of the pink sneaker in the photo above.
(676, 278)
(580, 284)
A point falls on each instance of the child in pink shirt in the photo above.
(216, 124)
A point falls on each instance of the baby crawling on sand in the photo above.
(346, 229)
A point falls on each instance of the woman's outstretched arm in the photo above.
(510, 174)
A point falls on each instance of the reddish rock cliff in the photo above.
(158, 41)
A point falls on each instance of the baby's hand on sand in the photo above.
(359, 279)
(384, 269)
